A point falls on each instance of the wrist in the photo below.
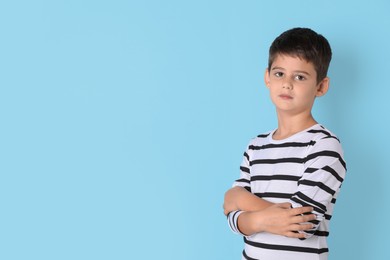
(257, 221)
(250, 222)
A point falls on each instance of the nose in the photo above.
(287, 84)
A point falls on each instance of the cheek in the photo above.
(272, 91)
(309, 93)
(310, 97)
(272, 95)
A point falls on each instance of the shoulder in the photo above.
(260, 139)
(257, 143)
(325, 143)
(324, 138)
(319, 132)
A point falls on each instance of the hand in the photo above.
(283, 220)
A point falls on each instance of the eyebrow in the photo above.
(295, 71)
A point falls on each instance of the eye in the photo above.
(278, 74)
(300, 77)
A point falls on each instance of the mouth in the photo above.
(285, 96)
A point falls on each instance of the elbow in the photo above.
(229, 204)
(225, 203)
(225, 210)
(231, 199)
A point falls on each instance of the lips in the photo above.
(285, 96)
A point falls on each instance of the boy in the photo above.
(290, 177)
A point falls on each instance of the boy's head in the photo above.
(305, 44)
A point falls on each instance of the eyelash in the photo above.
(297, 77)
(300, 77)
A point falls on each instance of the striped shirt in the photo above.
(306, 169)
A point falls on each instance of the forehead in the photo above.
(289, 62)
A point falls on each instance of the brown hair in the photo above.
(305, 44)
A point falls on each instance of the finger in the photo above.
(301, 210)
(303, 218)
(301, 227)
(295, 235)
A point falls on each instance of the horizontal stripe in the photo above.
(318, 233)
(282, 145)
(263, 135)
(317, 184)
(334, 137)
(314, 131)
(333, 172)
(243, 180)
(311, 170)
(314, 221)
(321, 233)
(300, 160)
(244, 169)
(326, 153)
(286, 248)
(311, 201)
(275, 161)
(248, 188)
(305, 203)
(328, 169)
(280, 177)
(274, 195)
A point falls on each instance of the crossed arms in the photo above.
(311, 203)
(260, 215)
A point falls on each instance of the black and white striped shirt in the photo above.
(306, 169)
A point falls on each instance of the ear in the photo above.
(266, 78)
(322, 87)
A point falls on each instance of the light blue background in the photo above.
(124, 122)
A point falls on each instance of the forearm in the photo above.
(277, 219)
(238, 198)
(248, 224)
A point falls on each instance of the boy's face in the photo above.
(293, 84)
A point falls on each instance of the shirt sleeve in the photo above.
(233, 221)
(244, 180)
(324, 172)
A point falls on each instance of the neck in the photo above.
(290, 125)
